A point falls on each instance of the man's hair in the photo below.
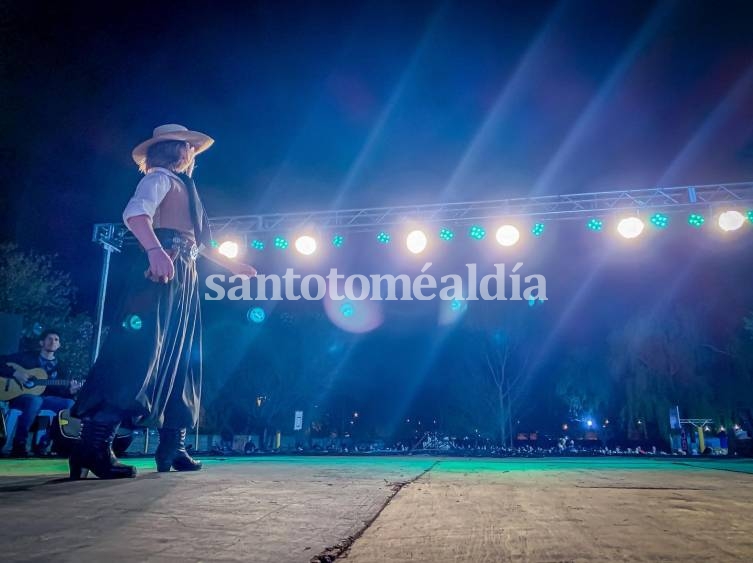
(48, 332)
(172, 155)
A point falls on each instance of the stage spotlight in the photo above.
(477, 232)
(229, 248)
(537, 230)
(731, 220)
(456, 305)
(630, 227)
(338, 241)
(257, 244)
(595, 224)
(133, 323)
(416, 241)
(589, 423)
(446, 234)
(281, 243)
(750, 215)
(306, 245)
(256, 315)
(507, 235)
(347, 309)
(383, 237)
(696, 220)
(659, 220)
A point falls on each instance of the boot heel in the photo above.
(77, 471)
(171, 451)
(94, 453)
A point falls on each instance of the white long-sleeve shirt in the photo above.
(162, 197)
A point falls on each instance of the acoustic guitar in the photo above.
(37, 383)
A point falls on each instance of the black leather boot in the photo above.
(94, 453)
(171, 451)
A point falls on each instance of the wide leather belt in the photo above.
(177, 243)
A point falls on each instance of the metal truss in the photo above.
(112, 236)
(542, 208)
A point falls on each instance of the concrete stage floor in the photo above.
(384, 509)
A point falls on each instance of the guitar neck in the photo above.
(42, 379)
(48, 382)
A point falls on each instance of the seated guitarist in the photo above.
(54, 398)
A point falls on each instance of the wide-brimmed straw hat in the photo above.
(172, 132)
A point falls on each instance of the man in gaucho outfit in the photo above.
(152, 373)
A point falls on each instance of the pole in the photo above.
(198, 418)
(108, 248)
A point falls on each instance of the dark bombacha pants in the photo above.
(149, 367)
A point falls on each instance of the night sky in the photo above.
(322, 105)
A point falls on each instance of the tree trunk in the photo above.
(502, 421)
(509, 419)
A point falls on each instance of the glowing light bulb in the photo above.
(416, 241)
(507, 235)
(306, 245)
(229, 248)
(731, 220)
(630, 227)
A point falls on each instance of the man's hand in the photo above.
(21, 377)
(75, 386)
(161, 268)
(242, 270)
